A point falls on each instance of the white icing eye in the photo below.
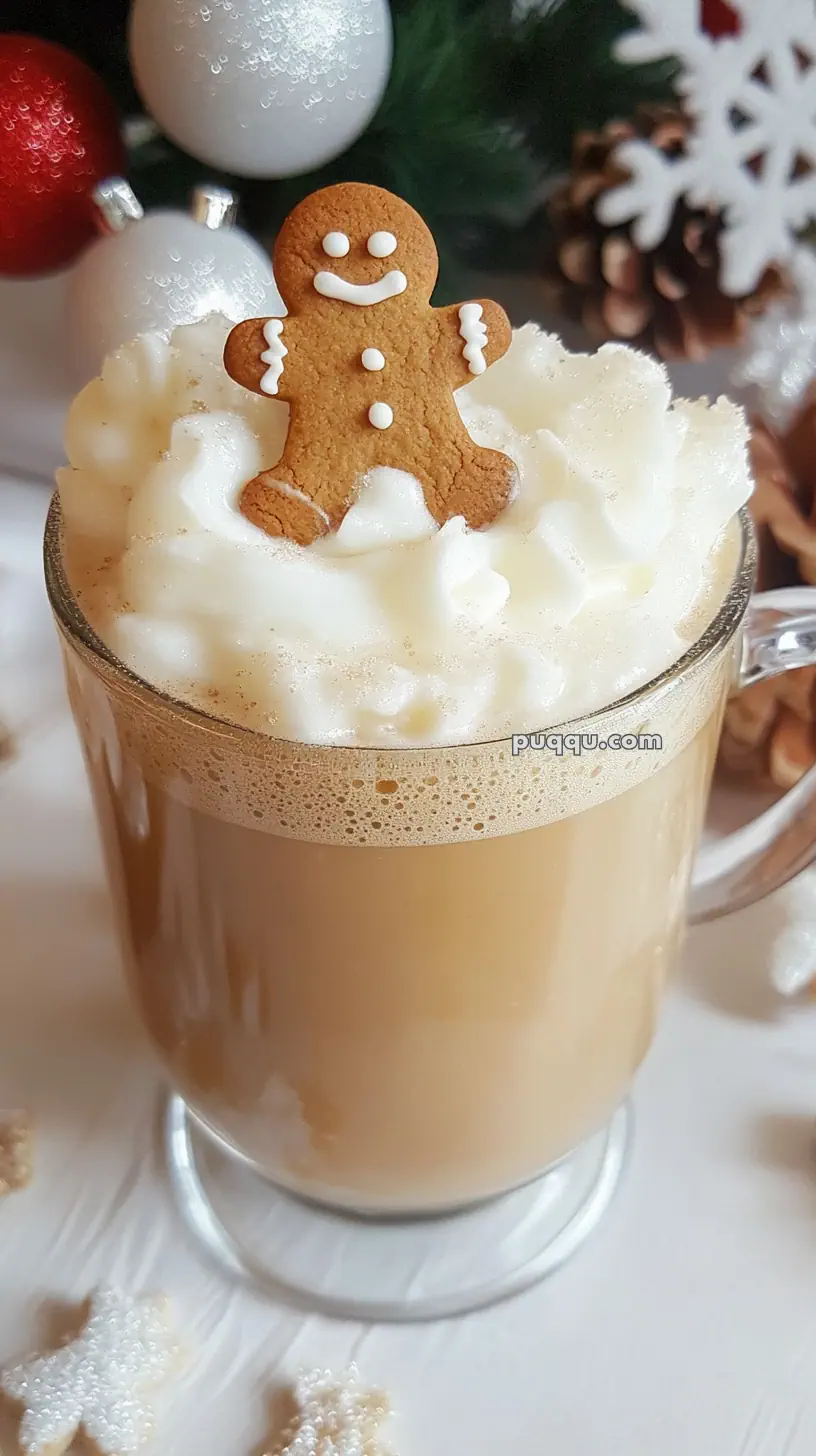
(336, 245)
(380, 245)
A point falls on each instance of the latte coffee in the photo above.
(358, 972)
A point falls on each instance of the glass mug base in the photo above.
(386, 1269)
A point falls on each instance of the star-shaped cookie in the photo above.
(99, 1382)
(335, 1417)
(15, 1152)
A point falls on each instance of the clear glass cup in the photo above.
(400, 995)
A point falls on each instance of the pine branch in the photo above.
(565, 77)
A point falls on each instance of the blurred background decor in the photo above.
(768, 733)
(646, 169)
(468, 108)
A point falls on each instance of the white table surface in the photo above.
(686, 1326)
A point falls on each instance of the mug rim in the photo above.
(722, 627)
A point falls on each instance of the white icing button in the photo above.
(381, 415)
(372, 359)
(381, 245)
(336, 245)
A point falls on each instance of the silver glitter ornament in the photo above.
(153, 272)
(96, 1384)
(779, 357)
(261, 88)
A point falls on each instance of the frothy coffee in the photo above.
(397, 980)
(392, 631)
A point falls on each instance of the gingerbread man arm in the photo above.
(255, 355)
(476, 333)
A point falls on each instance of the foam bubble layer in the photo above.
(604, 568)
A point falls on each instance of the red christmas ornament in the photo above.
(718, 18)
(59, 136)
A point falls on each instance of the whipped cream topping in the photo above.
(606, 565)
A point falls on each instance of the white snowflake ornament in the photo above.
(335, 1417)
(98, 1383)
(751, 153)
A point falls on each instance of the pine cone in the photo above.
(668, 300)
(769, 732)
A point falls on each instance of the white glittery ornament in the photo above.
(779, 357)
(155, 272)
(261, 88)
(335, 1417)
(98, 1383)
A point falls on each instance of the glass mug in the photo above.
(400, 995)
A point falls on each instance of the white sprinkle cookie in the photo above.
(98, 1383)
(16, 1148)
(334, 1417)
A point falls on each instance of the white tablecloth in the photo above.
(685, 1327)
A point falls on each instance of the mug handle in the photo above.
(779, 634)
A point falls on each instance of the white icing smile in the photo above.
(331, 285)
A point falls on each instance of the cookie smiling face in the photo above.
(354, 244)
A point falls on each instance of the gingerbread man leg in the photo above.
(480, 487)
(273, 502)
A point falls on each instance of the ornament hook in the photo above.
(117, 204)
(214, 207)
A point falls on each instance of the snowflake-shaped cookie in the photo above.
(15, 1152)
(335, 1417)
(97, 1383)
(752, 149)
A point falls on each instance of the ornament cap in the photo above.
(214, 207)
(117, 204)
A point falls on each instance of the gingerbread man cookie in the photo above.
(367, 367)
